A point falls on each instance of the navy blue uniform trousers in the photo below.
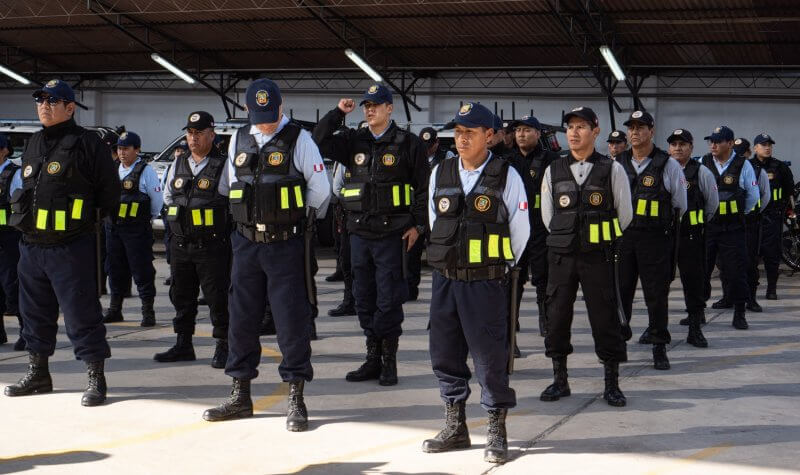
(129, 249)
(9, 283)
(62, 276)
(470, 317)
(379, 288)
(771, 242)
(730, 244)
(274, 270)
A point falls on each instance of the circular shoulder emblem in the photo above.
(426, 136)
(388, 160)
(727, 179)
(127, 184)
(596, 199)
(262, 97)
(203, 183)
(444, 204)
(275, 159)
(53, 168)
(178, 183)
(563, 201)
(771, 176)
(482, 203)
(240, 159)
(533, 173)
(360, 158)
(636, 114)
(648, 180)
(194, 117)
(465, 109)
(27, 172)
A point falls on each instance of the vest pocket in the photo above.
(21, 210)
(441, 250)
(355, 197)
(239, 198)
(392, 197)
(498, 244)
(474, 248)
(289, 200)
(563, 232)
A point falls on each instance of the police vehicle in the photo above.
(19, 131)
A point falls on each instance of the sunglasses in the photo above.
(49, 99)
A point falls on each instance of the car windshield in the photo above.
(18, 142)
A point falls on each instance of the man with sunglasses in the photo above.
(67, 172)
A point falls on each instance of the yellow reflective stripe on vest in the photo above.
(123, 210)
(172, 211)
(61, 220)
(617, 229)
(606, 230)
(41, 219)
(494, 246)
(700, 216)
(209, 217)
(507, 252)
(474, 251)
(197, 217)
(77, 208)
(594, 233)
(2, 217)
(654, 209)
(134, 210)
(408, 195)
(641, 207)
(284, 197)
(351, 192)
(396, 195)
(236, 194)
(298, 196)
(537, 203)
(723, 207)
(693, 217)
(734, 207)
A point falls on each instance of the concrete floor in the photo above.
(731, 408)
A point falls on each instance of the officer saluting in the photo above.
(67, 172)
(586, 204)
(725, 233)
(781, 182)
(198, 219)
(383, 219)
(10, 178)
(129, 233)
(702, 201)
(478, 218)
(276, 172)
(647, 250)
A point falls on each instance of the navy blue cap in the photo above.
(763, 138)
(129, 139)
(741, 145)
(428, 135)
(617, 136)
(680, 134)
(58, 89)
(584, 113)
(528, 120)
(720, 134)
(498, 123)
(640, 116)
(377, 94)
(475, 114)
(199, 120)
(263, 101)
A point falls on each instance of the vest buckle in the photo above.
(261, 227)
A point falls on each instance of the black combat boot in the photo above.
(220, 354)
(645, 338)
(20, 345)
(114, 312)
(388, 375)
(722, 304)
(296, 414)
(455, 434)
(695, 337)
(612, 394)
(182, 351)
(496, 450)
(348, 306)
(701, 317)
(96, 389)
(739, 321)
(560, 386)
(267, 323)
(36, 380)
(772, 293)
(660, 360)
(337, 276)
(3, 336)
(238, 406)
(148, 314)
(752, 303)
(542, 319)
(371, 369)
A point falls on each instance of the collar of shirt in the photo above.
(196, 165)
(377, 136)
(123, 167)
(469, 177)
(262, 138)
(724, 166)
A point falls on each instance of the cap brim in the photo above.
(585, 117)
(616, 140)
(522, 122)
(673, 138)
(631, 121)
(374, 102)
(470, 124)
(265, 117)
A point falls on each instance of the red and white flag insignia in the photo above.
(523, 205)
(319, 167)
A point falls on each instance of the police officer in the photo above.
(530, 159)
(647, 250)
(725, 232)
(479, 225)
(617, 143)
(276, 172)
(753, 225)
(197, 215)
(435, 151)
(497, 144)
(129, 232)
(180, 149)
(702, 201)
(10, 178)
(586, 205)
(344, 267)
(781, 183)
(385, 198)
(67, 172)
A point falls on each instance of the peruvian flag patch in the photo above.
(523, 205)
(319, 167)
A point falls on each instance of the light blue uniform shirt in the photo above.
(514, 197)
(16, 180)
(306, 159)
(763, 188)
(148, 183)
(747, 180)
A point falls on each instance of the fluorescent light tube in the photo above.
(363, 65)
(174, 69)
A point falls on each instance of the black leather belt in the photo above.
(271, 234)
(480, 273)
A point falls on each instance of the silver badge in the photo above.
(636, 114)
(564, 201)
(360, 158)
(444, 205)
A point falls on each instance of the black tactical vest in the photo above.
(731, 195)
(694, 218)
(377, 193)
(5, 194)
(532, 174)
(198, 211)
(779, 202)
(56, 202)
(470, 231)
(438, 157)
(268, 194)
(134, 205)
(652, 203)
(584, 217)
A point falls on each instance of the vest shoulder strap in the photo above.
(691, 170)
(447, 174)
